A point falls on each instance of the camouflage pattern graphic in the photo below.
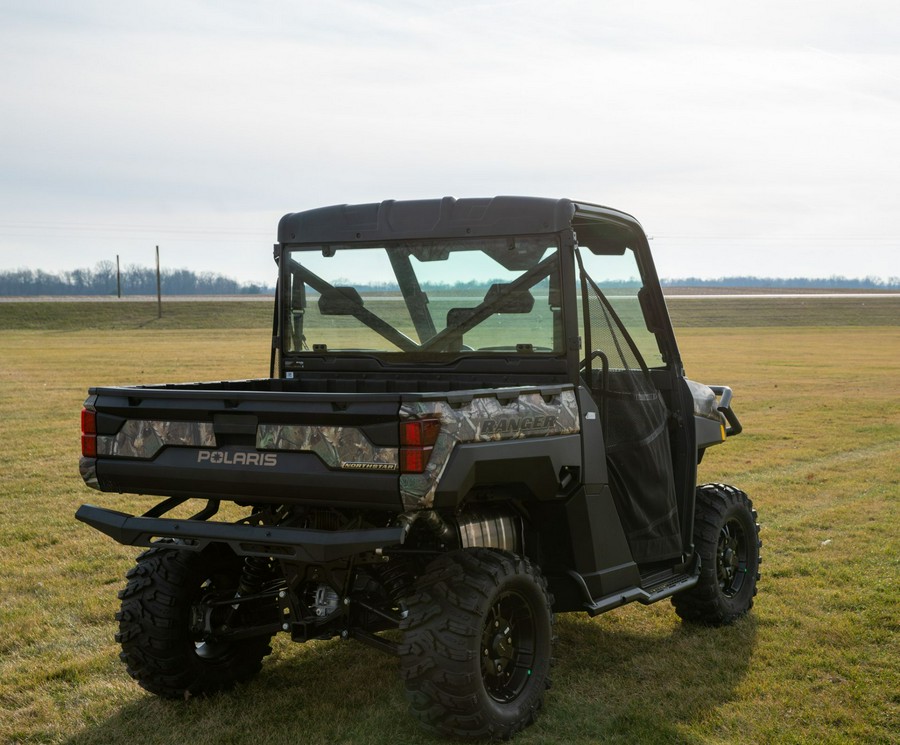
(338, 447)
(705, 402)
(144, 439)
(88, 469)
(484, 419)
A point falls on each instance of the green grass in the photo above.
(189, 314)
(727, 312)
(715, 312)
(818, 659)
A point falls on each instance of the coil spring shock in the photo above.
(253, 576)
(396, 578)
(256, 571)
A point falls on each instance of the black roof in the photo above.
(438, 218)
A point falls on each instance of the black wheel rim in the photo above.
(508, 647)
(731, 557)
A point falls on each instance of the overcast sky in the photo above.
(758, 138)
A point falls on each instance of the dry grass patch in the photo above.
(816, 661)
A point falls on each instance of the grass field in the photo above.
(686, 312)
(818, 659)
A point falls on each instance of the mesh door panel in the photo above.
(635, 431)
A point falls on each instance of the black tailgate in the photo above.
(253, 446)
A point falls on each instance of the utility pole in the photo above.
(158, 287)
(118, 279)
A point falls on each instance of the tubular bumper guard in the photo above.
(298, 544)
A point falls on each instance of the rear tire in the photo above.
(477, 644)
(159, 647)
(726, 537)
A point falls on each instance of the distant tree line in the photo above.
(136, 280)
(798, 283)
(139, 280)
(387, 286)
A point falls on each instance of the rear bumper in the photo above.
(297, 544)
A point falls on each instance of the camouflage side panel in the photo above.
(484, 419)
(338, 447)
(88, 469)
(144, 439)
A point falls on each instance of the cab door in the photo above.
(633, 371)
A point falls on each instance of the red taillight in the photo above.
(417, 437)
(88, 422)
(89, 446)
(420, 432)
(88, 433)
(414, 460)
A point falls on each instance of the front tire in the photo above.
(477, 644)
(726, 537)
(161, 646)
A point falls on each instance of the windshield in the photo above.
(487, 296)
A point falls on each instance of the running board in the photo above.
(648, 595)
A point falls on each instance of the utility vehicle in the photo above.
(476, 417)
